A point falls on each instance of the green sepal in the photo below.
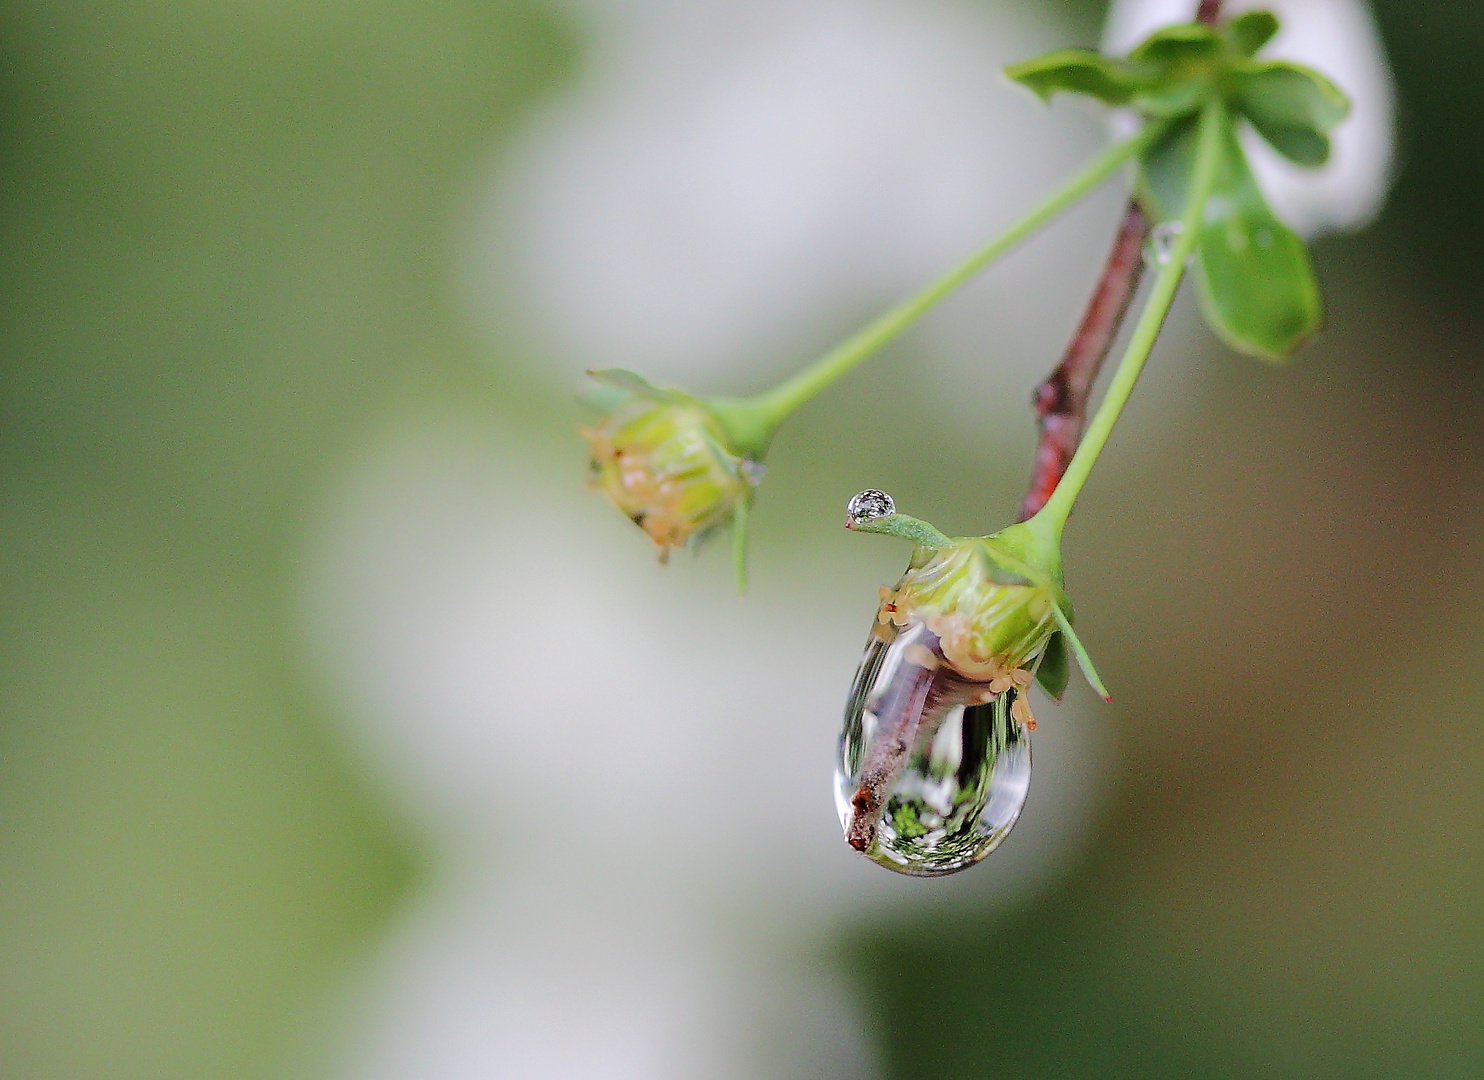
(1002, 576)
(631, 383)
(1257, 287)
(1291, 106)
(1077, 71)
(740, 515)
(1054, 669)
(1250, 31)
(1083, 660)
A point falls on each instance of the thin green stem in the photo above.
(752, 421)
(1049, 521)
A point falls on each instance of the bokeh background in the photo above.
(343, 735)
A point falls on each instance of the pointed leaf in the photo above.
(1257, 286)
(1054, 669)
(1076, 71)
(1291, 106)
(1250, 31)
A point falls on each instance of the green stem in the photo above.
(751, 422)
(1048, 523)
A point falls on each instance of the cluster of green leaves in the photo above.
(1257, 287)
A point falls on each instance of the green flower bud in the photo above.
(994, 604)
(992, 615)
(662, 458)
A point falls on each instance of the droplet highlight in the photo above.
(1161, 244)
(933, 769)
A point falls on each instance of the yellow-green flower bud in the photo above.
(666, 465)
(991, 618)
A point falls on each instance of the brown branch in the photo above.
(1061, 400)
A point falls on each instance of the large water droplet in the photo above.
(933, 770)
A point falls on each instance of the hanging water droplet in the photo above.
(869, 505)
(1162, 242)
(933, 770)
(753, 471)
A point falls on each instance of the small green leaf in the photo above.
(1291, 106)
(1076, 71)
(1257, 286)
(1054, 669)
(1164, 171)
(1250, 31)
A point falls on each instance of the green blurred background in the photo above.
(226, 233)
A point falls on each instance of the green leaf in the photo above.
(1257, 286)
(1076, 71)
(1164, 171)
(602, 398)
(1183, 43)
(1291, 106)
(1054, 669)
(1250, 31)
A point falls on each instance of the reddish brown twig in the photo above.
(1061, 400)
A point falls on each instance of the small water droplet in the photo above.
(929, 778)
(1162, 242)
(869, 505)
(753, 471)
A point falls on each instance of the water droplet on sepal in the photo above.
(869, 505)
(933, 769)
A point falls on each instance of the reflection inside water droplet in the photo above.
(1162, 242)
(869, 505)
(932, 770)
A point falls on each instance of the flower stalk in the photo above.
(751, 422)
(1048, 523)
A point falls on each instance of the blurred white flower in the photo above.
(731, 186)
(1338, 38)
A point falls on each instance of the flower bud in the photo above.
(664, 462)
(990, 620)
